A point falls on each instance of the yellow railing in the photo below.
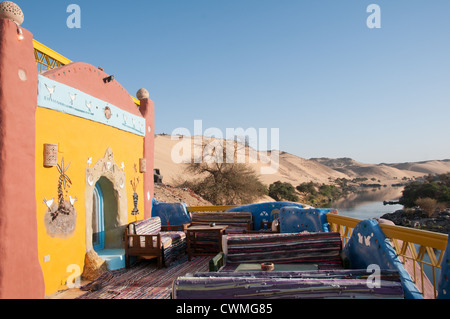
(48, 59)
(431, 245)
(343, 225)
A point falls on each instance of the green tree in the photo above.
(308, 188)
(330, 191)
(437, 190)
(282, 191)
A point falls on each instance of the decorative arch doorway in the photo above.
(106, 204)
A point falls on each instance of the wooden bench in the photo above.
(149, 239)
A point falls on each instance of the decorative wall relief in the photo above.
(60, 217)
(59, 97)
(108, 168)
(134, 183)
(142, 165)
(50, 155)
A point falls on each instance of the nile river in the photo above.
(369, 204)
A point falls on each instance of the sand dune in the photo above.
(429, 167)
(171, 151)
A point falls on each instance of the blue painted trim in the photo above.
(296, 220)
(369, 245)
(57, 96)
(100, 219)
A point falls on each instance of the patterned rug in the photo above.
(143, 280)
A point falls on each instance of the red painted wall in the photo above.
(20, 271)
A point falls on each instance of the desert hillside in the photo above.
(291, 168)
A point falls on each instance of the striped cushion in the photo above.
(149, 226)
(288, 285)
(315, 248)
(174, 246)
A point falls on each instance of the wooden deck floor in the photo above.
(142, 281)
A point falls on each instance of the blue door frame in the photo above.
(98, 239)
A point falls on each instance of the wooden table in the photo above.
(204, 240)
(254, 267)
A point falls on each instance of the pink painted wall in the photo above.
(20, 271)
(147, 109)
(89, 79)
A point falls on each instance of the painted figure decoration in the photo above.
(134, 184)
(61, 214)
(64, 181)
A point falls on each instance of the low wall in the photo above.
(265, 212)
(296, 220)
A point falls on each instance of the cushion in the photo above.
(149, 226)
(170, 238)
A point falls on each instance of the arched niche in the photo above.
(112, 178)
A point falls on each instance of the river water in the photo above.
(369, 203)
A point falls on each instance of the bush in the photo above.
(428, 205)
(308, 188)
(282, 191)
(415, 190)
(330, 191)
(234, 185)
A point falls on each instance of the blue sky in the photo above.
(313, 69)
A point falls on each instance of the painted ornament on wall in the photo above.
(134, 183)
(62, 98)
(60, 218)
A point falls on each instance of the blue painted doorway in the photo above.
(98, 219)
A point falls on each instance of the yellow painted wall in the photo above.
(78, 139)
